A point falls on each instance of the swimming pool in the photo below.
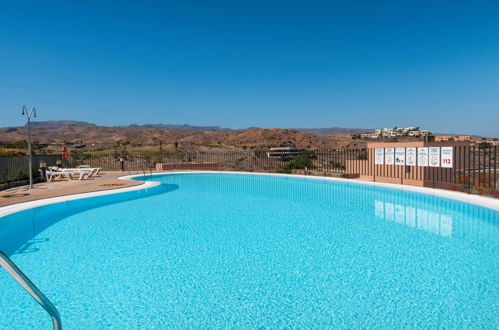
(213, 250)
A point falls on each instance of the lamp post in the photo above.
(29, 114)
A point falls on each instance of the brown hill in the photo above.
(101, 137)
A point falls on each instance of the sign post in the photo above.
(400, 160)
(434, 159)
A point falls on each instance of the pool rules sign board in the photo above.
(399, 156)
(434, 156)
(446, 157)
(379, 156)
(410, 156)
(389, 156)
(423, 156)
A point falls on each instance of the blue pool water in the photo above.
(253, 251)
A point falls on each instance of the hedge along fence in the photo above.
(16, 168)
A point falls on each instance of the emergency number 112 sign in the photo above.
(446, 157)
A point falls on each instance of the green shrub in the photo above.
(299, 163)
(310, 154)
(362, 155)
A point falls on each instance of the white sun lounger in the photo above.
(87, 167)
(69, 172)
(50, 174)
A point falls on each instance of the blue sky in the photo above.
(433, 64)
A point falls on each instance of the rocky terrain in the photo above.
(96, 137)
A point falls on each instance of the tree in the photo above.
(484, 144)
(158, 141)
(120, 149)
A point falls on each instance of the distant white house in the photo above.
(395, 132)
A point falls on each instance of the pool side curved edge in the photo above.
(9, 209)
(459, 196)
(482, 201)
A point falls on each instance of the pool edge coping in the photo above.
(482, 201)
(10, 209)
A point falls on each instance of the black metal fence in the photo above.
(16, 168)
(328, 161)
(474, 169)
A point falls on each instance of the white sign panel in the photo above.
(410, 156)
(399, 156)
(379, 156)
(389, 156)
(434, 156)
(423, 156)
(447, 157)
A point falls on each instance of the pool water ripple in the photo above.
(253, 251)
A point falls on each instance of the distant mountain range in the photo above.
(55, 124)
(187, 137)
(59, 123)
(185, 127)
(168, 136)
